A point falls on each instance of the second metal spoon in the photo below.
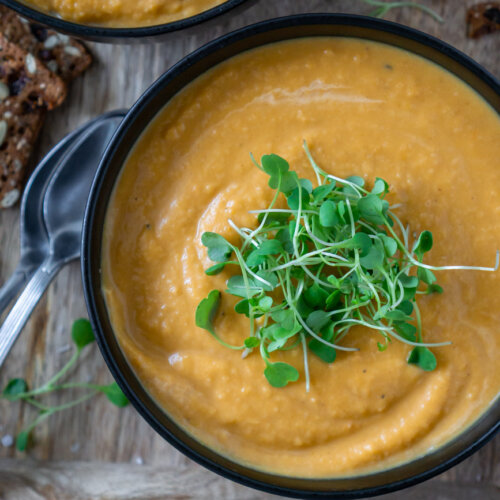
(63, 210)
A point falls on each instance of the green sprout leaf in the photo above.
(323, 351)
(434, 289)
(424, 244)
(316, 296)
(321, 192)
(328, 214)
(390, 244)
(426, 276)
(82, 333)
(273, 218)
(317, 320)
(380, 187)
(280, 374)
(371, 209)
(252, 342)
(423, 358)
(236, 286)
(206, 311)
(293, 199)
(398, 315)
(375, 256)
(277, 168)
(408, 281)
(363, 243)
(14, 389)
(215, 269)
(406, 330)
(219, 250)
(114, 394)
(270, 247)
(265, 303)
(406, 306)
(243, 307)
(356, 179)
(22, 441)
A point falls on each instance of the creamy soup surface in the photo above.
(125, 13)
(365, 109)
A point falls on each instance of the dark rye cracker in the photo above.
(483, 19)
(27, 90)
(65, 56)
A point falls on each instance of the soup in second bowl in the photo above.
(125, 13)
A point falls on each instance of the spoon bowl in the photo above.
(68, 190)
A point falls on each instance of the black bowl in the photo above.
(133, 125)
(206, 20)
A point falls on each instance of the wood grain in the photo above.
(99, 435)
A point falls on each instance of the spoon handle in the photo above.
(15, 284)
(22, 309)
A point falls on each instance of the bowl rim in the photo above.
(452, 457)
(103, 33)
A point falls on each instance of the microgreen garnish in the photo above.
(17, 389)
(336, 258)
(382, 8)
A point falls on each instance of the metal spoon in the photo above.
(52, 240)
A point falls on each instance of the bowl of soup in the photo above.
(371, 99)
(127, 20)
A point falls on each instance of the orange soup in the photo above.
(125, 13)
(365, 109)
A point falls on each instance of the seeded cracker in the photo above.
(63, 55)
(27, 90)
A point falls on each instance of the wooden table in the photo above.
(97, 450)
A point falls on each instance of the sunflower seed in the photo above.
(4, 91)
(3, 131)
(10, 198)
(63, 38)
(51, 42)
(72, 51)
(30, 63)
(53, 66)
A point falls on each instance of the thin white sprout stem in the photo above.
(355, 187)
(241, 233)
(445, 268)
(347, 309)
(326, 243)
(351, 218)
(280, 211)
(329, 176)
(452, 268)
(401, 297)
(401, 227)
(264, 219)
(317, 170)
(391, 332)
(315, 238)
(244, 265)
(367, 226)
(297, 222)
(298, 292)
(306, 364)
(335, 256)
(306, 256)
